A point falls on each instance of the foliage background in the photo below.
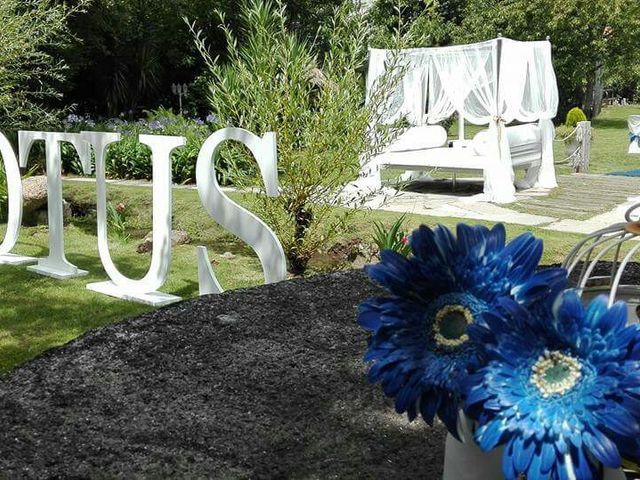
(32, 72)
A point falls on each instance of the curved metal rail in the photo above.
(619, 244)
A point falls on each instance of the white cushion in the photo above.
(420, 138)
(480, 143)
(521, 138)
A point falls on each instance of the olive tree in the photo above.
(274, 80)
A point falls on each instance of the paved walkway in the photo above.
(581, 203)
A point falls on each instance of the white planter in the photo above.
(465, 461)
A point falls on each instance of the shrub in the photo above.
(563, 132)
(275, 81)
(129, 159)
(575, 116)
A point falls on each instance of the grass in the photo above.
(611, 143)
(38, 313)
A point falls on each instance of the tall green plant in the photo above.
(275, 81)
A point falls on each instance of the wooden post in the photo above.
(584, 137)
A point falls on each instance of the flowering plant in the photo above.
(468, 323)
(561, 388)
(392, 238)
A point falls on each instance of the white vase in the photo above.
(465, 461)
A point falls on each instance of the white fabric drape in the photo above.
(490, 83)
(469, 78)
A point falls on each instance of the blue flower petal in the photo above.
(602, 448)
(523, 454)
(489, 436)
(614, 319)
(496, 238)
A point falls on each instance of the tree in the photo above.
(130, 52)
(421, 22)
(587, 35)
(33, 34)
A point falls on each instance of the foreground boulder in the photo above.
(35, 199)
(34, 193)
(261, 383)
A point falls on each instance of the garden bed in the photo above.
(258, 383)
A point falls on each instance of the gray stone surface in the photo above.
(264, 383)
(178, 237)
(34, 193)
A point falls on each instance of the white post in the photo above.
(55, 264)
(14, 216)
(120, 286)
(460, 126)
(233, 217)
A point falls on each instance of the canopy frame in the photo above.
(476, 81)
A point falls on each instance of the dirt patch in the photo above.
(265, 383)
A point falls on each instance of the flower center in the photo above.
(450, 326)
(555, 373)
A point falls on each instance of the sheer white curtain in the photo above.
(529, 91)
(469, 79)
(409, 98)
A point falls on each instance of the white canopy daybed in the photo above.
(491, 83)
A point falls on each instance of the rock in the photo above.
(355, 253)
(34, 193)
(227, 319)
(260, 383)
(41, 216)
(228, 255)
(178, 237)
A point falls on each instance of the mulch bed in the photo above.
(259, 383)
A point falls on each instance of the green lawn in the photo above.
(38, 313)
(611, 142)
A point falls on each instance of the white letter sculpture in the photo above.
(14, 218)
(56, 264)
(120, 286)
(233, 217)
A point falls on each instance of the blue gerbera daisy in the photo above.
(561, 389)
(419, 347)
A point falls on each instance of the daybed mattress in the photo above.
(444, 157)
